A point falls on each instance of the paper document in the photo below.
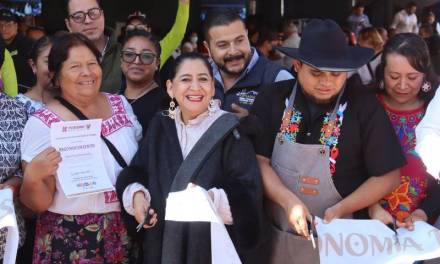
(82, 170)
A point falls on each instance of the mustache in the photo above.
(236, 57)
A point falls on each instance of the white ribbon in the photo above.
(194, 205)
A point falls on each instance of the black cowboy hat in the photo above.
(323, 46)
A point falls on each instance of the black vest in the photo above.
(243, 93)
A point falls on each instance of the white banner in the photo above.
(369, 241)
(8, 220)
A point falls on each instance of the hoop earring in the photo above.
(426, 86)
(171, 112)
(212, 107)
(381, 85)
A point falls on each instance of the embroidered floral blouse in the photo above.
(12, 122)
(412, 190)
(122, 129)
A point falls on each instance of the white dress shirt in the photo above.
(405, 23)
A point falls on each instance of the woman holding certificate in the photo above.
(187, 150)
(86, 227)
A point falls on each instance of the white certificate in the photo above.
(82, 170)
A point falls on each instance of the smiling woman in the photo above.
(179, 138)
(73, 63)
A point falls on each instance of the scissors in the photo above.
(312, 229)
(146, 221)
(393, 227)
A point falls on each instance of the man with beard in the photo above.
(405, 21)
(239, 70)
(327, 147)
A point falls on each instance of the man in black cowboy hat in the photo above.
(327, 149)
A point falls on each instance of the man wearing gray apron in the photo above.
(327, 148)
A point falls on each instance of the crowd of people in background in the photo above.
(303, 111)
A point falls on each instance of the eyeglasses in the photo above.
(145, 58)
(7, 25)
(80, 16)
(137, 27)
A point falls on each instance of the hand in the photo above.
(417, 215)
(140, 206)
(377, 212)
(239, 111)
(44, 164)
(297, 214)
(221, 203)
(333, 212)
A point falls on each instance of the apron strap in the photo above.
(335, 109)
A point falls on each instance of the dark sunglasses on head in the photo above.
(145, 58)
(80, 16)
(137, 27)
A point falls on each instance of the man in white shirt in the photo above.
(405, 21)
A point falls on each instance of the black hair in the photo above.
(145, 34)
(358, 6)
(266, 34)
(427, 28)
(66, 6)
(220, 17)
(189, 56)
(39, 46)
(61, 46)
(415, 50)
(411, 4)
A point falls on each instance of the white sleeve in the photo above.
(428, 137)
(127, 196)
(35, 139)
(133, 118)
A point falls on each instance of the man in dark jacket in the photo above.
(239, 70)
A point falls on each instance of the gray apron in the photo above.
(304, 170)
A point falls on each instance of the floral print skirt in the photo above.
(81, 239)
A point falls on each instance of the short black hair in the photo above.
(358, 6)
(220, 17)
(411, 4)
(66, 6)
(266, 34)
(61, 47)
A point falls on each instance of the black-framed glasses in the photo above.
(145, 58)
(80, 16)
